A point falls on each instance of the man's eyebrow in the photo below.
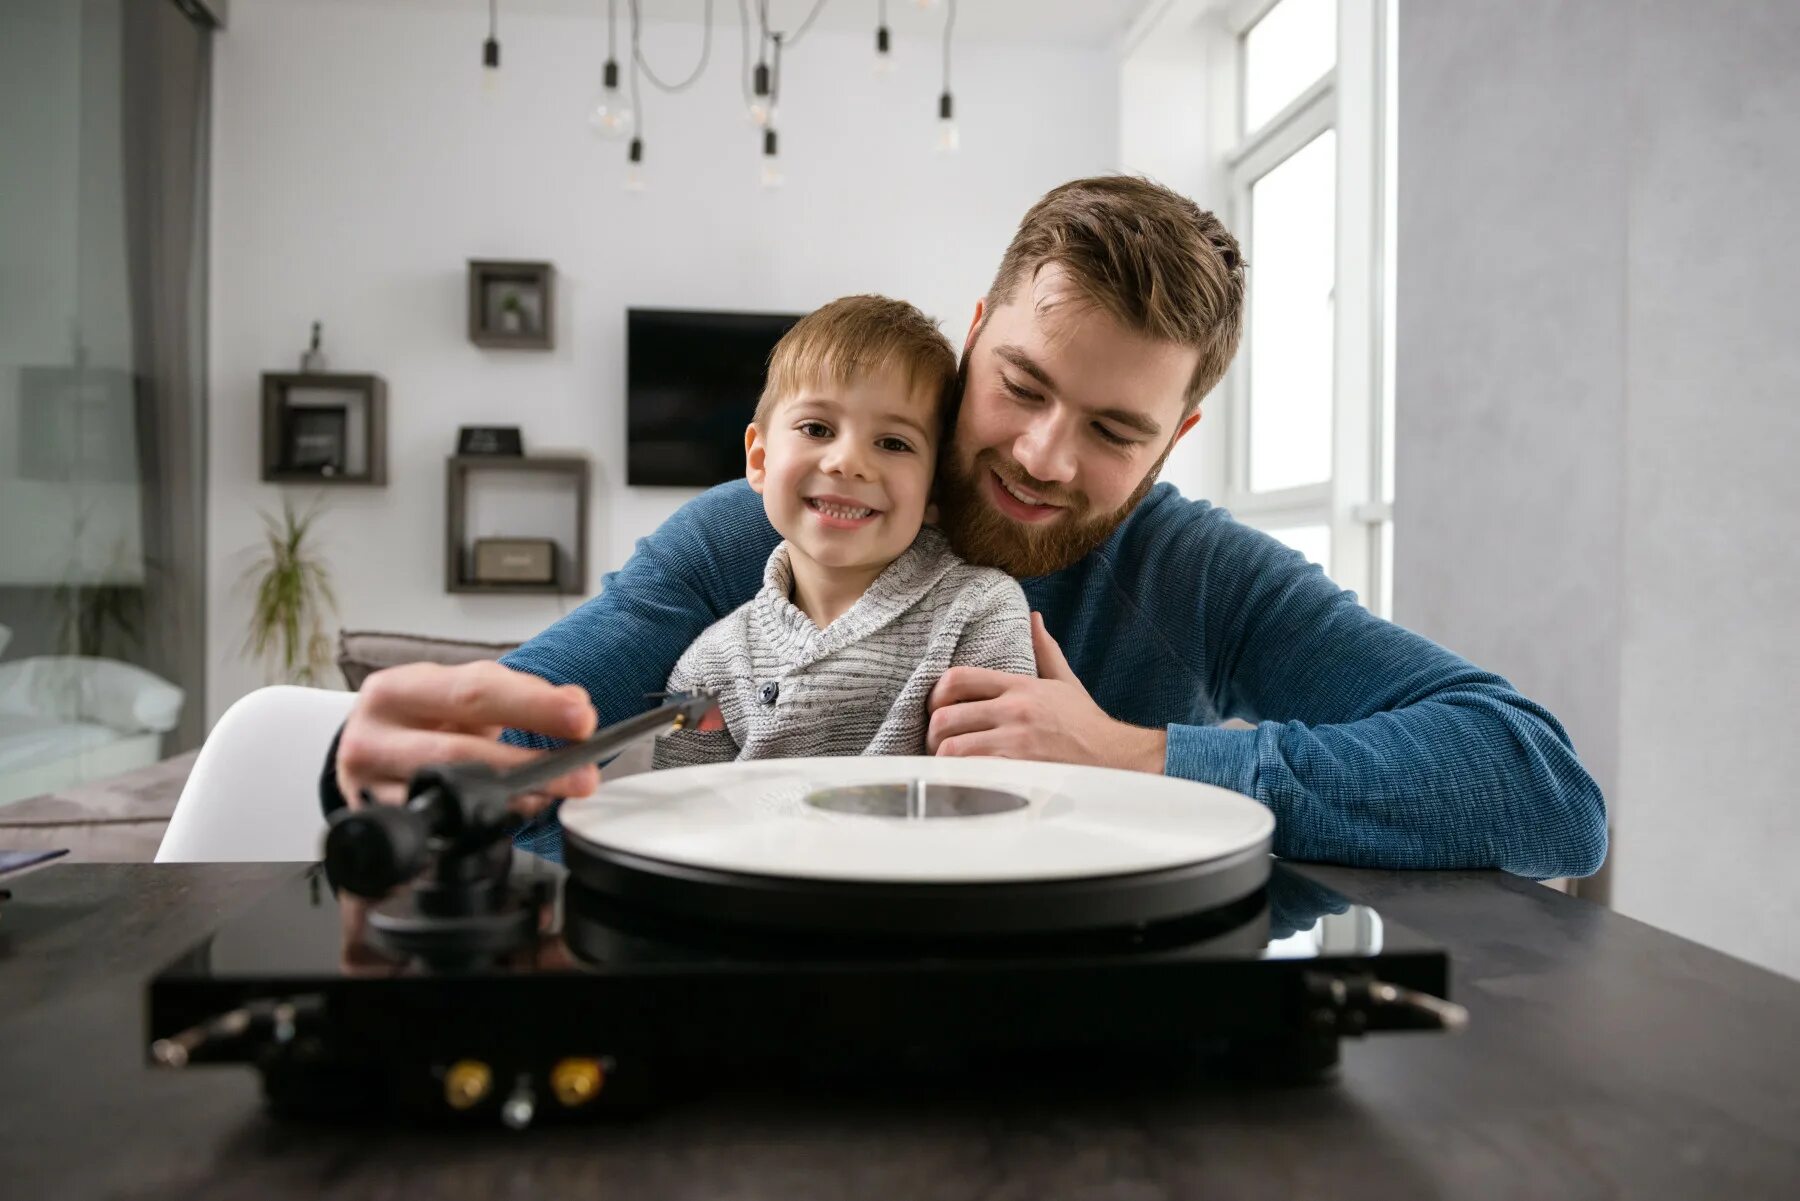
(1018, 358)
(1140, 422)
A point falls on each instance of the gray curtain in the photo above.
(166, 95)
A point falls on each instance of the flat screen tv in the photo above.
(691, 383)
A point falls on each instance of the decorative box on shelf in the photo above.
(516, 524)
(322, 427)
(512, 304)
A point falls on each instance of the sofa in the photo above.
(121, 818)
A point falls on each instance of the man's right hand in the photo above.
(423, 713)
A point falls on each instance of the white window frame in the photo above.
(1351, 99)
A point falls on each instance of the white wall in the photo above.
(1177, 116)
(1599, 415)
(358, 164)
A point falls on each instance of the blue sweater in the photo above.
(1372, 746)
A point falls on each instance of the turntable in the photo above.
(808, 918)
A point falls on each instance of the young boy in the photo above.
(861, 609)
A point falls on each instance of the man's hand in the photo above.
(407, 717)
(975, 711)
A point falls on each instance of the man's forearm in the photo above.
(1475, 777)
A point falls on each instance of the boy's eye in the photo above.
(899, 445)
(814, 429)
(1111, 437)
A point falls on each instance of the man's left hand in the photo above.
(977, 711)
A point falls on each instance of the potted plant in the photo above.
(290, 593)
(512, 313)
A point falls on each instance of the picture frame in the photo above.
(316, 439)
(495, 440)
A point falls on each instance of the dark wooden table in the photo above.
(1605, 1059)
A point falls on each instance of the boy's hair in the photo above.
(852, 336)
(1161, 265)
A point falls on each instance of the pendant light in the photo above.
(762, 86)
(884, 56)
(948, 138)
(611, 117)
(490, 49)
(771, 163)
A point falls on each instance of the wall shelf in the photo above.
(561, 480)
(512, 304)
(324, 427)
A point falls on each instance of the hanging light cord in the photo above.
(612, 28)
(793, 39)
(637, 106)
(949, 24)
(637, 54)
(493, 20)
(744, 38)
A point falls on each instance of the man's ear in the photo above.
(975, 324)
(1187, 423)
(754, 450)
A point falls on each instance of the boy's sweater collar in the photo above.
(898, 588)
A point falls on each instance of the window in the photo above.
(1309, 400)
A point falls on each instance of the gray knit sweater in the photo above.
(857, 687)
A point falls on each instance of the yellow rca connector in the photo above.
(466, 1083)
(576, 1081)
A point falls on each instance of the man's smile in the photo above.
(1020, 503)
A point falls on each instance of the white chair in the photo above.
(254, 792)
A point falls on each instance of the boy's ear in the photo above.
(754, 450)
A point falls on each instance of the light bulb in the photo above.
(884, 57)
(771, 165)
(947, 137)
(611, 118)
(490, 66)
(762, 113)
(924, 3)
(634, 166)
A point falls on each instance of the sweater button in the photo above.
(769, 692)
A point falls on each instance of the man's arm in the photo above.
(1373, 745)
(701, 563)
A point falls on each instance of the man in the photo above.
(1116, 308)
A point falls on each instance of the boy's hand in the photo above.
(977, 711)
(407, 717)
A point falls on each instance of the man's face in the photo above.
(1066, 417)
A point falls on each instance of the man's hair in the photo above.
(840, 342)
(1159, 263)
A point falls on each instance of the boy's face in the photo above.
(845, 472)
(1066, 418)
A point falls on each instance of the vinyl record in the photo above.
(918, 845)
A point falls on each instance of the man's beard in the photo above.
(984, 536)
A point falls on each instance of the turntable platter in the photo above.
(795, 818)
(905, 844)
